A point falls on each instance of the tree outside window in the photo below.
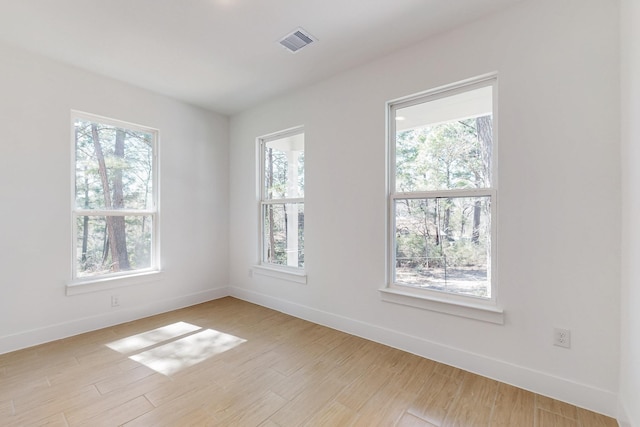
(442, 191)
(282, 199)
(115, 206)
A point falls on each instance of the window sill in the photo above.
(445, 305)
(102, 284)
(297, 276)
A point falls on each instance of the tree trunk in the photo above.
(271, 256)
(105, 245)
(146, 198)
(436, 221)
(102, 169)
(485, 137)
(475, 235)
(85, 219)
(447, 220)
(121, 255)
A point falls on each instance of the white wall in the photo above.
(630, 296)
(559, 199)
(36, 96)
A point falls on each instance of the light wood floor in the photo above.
(231, 363)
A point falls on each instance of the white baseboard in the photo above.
(582, 395)
(58, 331)
(623, 417)
(585, 396)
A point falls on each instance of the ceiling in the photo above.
(224, 55)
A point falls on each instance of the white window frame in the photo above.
(279, 271)
(79, 285)
(486, 309)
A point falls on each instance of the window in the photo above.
(115, 206)
(282, 199)
(442, 193)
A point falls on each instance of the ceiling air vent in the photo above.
(297, 40)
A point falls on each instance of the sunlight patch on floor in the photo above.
(174, 347)
(149, 338)
(179, 354)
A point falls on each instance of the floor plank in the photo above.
(333, 414)
(550, 419)
(409, 420)
(513, 407)
(474, 402)
(555, 406)
(433, 401)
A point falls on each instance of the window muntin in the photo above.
(442, 191)
(282, 199)
(115, 198)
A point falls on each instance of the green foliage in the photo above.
(277, 174)
(129, 186)
(445, 156)
(283, 223)
(277, 251)
(98, 259)
(136, 166)
(443, 233)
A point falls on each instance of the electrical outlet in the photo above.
(562, 337)
(115, 301)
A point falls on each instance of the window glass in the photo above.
(445, 143)
(93, 258)
(281, 221)
(284, 167)
(444, 244)
(442, 191)
(282, 204)
(114, 198)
